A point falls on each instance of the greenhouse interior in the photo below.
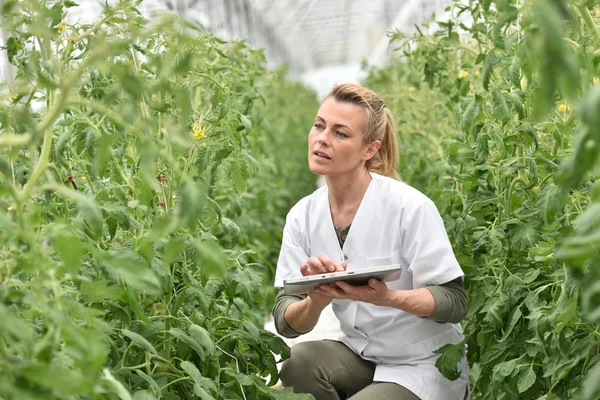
(294, 200)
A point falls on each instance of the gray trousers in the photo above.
(331, 371)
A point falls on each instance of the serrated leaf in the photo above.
(139, 341)
(491, 60)
(500, 108)
(451, 356)
(469, 114)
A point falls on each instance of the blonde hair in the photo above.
(379, 125)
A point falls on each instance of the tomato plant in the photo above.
(128, 267)
(498, 113)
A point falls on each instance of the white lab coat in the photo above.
(394, 223)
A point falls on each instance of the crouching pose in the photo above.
(365, 217)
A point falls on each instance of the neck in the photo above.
(347, 190)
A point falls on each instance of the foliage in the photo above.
(125, 146)
(498, 113)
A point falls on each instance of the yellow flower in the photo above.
(62, 27)
(411, 89)
(596, 80)
(12, 96)
(197, 130)
(463, 74)
(477, 72)
(70, 38)
(472, 40)
(564, 107)
(452, 133)
(597, 11)
(470, 88)
(84, 178)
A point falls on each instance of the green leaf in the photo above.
(144, 395)
(210, 258)
(57, 376)
(190, 341)
(591, 384)
(550, 203)
(468, 116)
(526, 379)
(69, 249)
(192, 198)
(516, 316)
(204, 383)
(504, 369)
(13, 46)
(133, 269)
(150, 381)
(491, 60)
(246, 122)
(244, 380)
(115, 386)
(70, 3)
(500, 108)
(92, 215)
(451, 356)
(203, 338)
(288, 394)
(100, 290)
(139, 341)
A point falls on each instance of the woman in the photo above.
(366, 217)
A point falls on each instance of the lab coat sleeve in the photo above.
(293, 253)
(426, 248)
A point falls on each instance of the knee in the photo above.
(300, 368)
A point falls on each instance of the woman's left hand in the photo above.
(375, 292)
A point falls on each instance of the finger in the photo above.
(327, 262)
(316, 265)
(339, 267)
(376, 284)
(304, 270)
(346, 288)
(326, 288)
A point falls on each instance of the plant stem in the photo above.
(589, 21)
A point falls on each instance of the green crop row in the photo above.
(499, 114)
(144, 181)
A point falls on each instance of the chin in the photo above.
(318, 169)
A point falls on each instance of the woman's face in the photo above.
(335, 142)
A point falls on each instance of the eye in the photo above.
(318, 126)
(341, 134)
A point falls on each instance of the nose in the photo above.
(322, 137)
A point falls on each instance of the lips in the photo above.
(322, 154)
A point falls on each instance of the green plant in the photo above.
(121, 271)
(506, 146)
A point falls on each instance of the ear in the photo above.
(371, 149)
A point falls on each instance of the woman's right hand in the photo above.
(320, 265)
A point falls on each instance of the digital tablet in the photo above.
(359, 277)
